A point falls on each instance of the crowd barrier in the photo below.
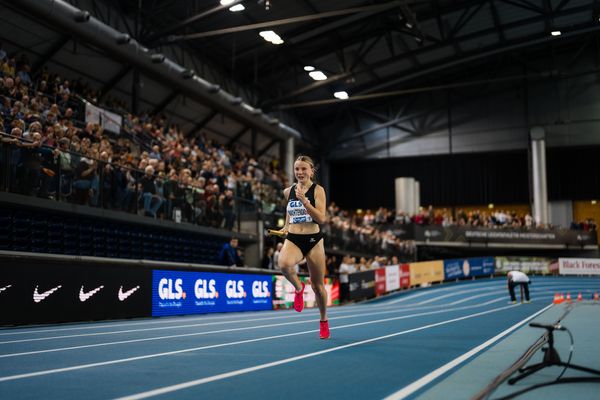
(54, 288)
(36, 288)
(380, 281)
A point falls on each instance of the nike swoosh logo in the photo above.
(124, 295)
(4, 288)
(37, 297)
(83, 296)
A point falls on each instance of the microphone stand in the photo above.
(551, 357)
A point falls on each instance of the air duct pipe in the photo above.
(127, 50)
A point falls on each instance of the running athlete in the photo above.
(305, 212)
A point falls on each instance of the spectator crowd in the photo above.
(150, 166)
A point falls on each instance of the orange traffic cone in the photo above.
(568, 297)
(596, 297)
(556, 299)
(562, 298)
(579, 297)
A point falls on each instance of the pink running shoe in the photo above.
(324, 330)
(299, 299)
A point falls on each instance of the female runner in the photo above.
(306, 210)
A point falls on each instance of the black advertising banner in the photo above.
(435, 233)
(362, 285)
(44, 292)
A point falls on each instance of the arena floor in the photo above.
(446, 342)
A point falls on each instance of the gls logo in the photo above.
(205, 289)
(260, 289)
(169, 291)
(235, 289)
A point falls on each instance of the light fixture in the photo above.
(309, 68)
(491, 206)
(342, 95)
(237, 7)
(593, 202)
(271, 36)
(82, 16)
(157, 58)
(317, 75)
(187, 74)
(226, 2)
(213, 89)
(123, 38)
(556, 33)
(408, 24)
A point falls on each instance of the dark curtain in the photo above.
(464, 179)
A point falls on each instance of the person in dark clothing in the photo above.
(230, 255)
(227, 206)
(85, 173)
(148, 188)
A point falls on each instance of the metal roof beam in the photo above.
(280, 22)
(267, 147)
(113, 81)
(203, 122)
(190, 21)
(238, 136)
(163, 104)
(497, 23)
(47, 56)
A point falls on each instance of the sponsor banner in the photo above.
(426, 272)
(435, 233)
(283, 292)
(468, 267)
(579, 266)
(528, 265)
(392, 278)
(405, 275)
(32, 293)
(380, 281)
(185, 292)
(109, 121)
(362, 285)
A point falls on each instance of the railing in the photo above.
(62, 175)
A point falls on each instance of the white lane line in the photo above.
(147, 329)
(33, 352)
(101, 325)
(455, 294)
(413, 387)
(169, 353)
(464, 300)
(202, 381)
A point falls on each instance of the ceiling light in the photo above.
(341, 95)
(555, 33)
(237, 7)
(409, 25)
(317, 75)
(271, 36)
(226, 2)
(309, 68)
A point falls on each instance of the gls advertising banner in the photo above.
(465, 268)
(181, 292)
